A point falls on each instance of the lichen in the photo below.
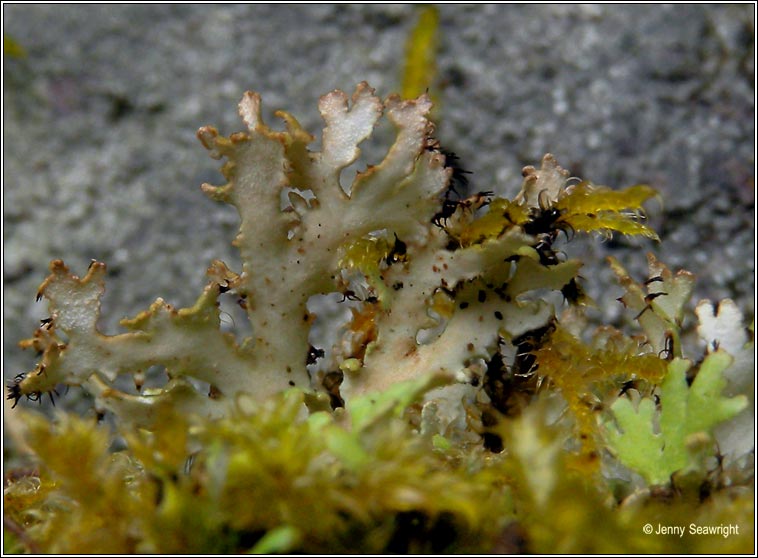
(687, 416)
(459, 407)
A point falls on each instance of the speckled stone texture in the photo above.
(101, 160)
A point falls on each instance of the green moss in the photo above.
(421, 54)
(265, 478)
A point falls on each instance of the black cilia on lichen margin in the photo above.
(459, 403)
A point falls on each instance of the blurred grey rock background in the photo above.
(101, 160)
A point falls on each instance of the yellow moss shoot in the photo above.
(442, 304)
(598, 208)
(420, 55)
(584, 198)
(12, 48)
(587, 375)
(365, 254)
(608, 221)
(501, 215)
(88, 500)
